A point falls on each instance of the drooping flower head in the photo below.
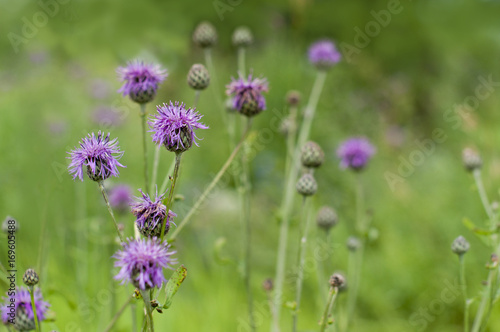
(120, 197)
(355, 153)
(247, 94)
(99, 154)
(151, 214)
(17, 308)
(174, 125)
(323, 54)
(142, 261)
(141, 80)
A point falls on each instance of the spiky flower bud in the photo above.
(293, 98)
(242, 37)
(337, 280)
(460, 245)
(30, 278)
(353, 243)
(312, 155)
(198, 77)
(471, 159)
(307, 186)
(205, 35)
(326, 218)
(10, 225)
(268, 285)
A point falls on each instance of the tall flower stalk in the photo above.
(336, 281)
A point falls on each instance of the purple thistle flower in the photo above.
(355, 153)
(141, 80)
(151, 214)
(323, 54)
(142, 261)
(99, 154)
(247, 94)
(120, 197)
(174, 125)
(22, 311)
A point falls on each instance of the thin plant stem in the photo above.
(106, 200)
(215, 82)
(33, 306)
(484, 301)
(482, 193)
(463, 286)
(241, 61)
(134, 316)
(270, 303)
(291, 137)
(210, 187)
(118, 314)
(321, 273)
(156, 162)
(245, 199)
(144, 147)
(149, 311)
(178, 156)
(288, 196)
(197, 94)
(301, 259)
(328, 308)
(167, 177)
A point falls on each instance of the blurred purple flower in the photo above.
(106, 117)
(355, 153)
(120, 197)
(99, 89)
(247, 94)
(142, 261)
(141, 80)
(323, 54)
(151, 214)
(39, 57)
(99, 154)
(174, 125)
(22, 307)
(56, 127)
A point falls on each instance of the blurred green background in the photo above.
(407, 81)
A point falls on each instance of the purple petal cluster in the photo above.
(142, 261)
(174, 125)
(22, 303)
(323, 54)
(99, 154)
(247, 94)
(141, 80)
(120, 197)
(151, 214)
(355, 153)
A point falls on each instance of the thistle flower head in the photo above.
(30, 278)
(99, 154)
(312, 155)
(174, 125)
(460, 245)
(198, 77)
(141, 80)
(151, 214)
(323, 54)
(242, 37)
(293, 98)
(471, 159)
(22, 311)
(307, 185)
(142, 261)
(120, 197)
(247, 94)
(205, 35)
(326, 218)
(355, 153)
(337, 280)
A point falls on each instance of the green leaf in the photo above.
(479, 231)
(173, 285)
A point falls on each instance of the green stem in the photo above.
(301, 260)
(210, 187)
(149, 310)
(241, 61)
(144, 146)
(33, 306)
(215, 82)
(328, 308)
(288, 196)
(156, 162)
(118, 314)
(196, 97)
(321, 273)
(167, 177)
(134, 317)
(291, 137)
(464, 293)
(178, 156)
(105, 196)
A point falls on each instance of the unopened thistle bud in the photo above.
(286, 125)
(307, 186)
(242, 37)
(30, 278)
(460, 246)
(268, 285)
(471, 159)
(198, 77)
(337, 280)
(312, 155)
(205, 35)
(10, 225)
(326, 218)
(293, 98)
(353, 243)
